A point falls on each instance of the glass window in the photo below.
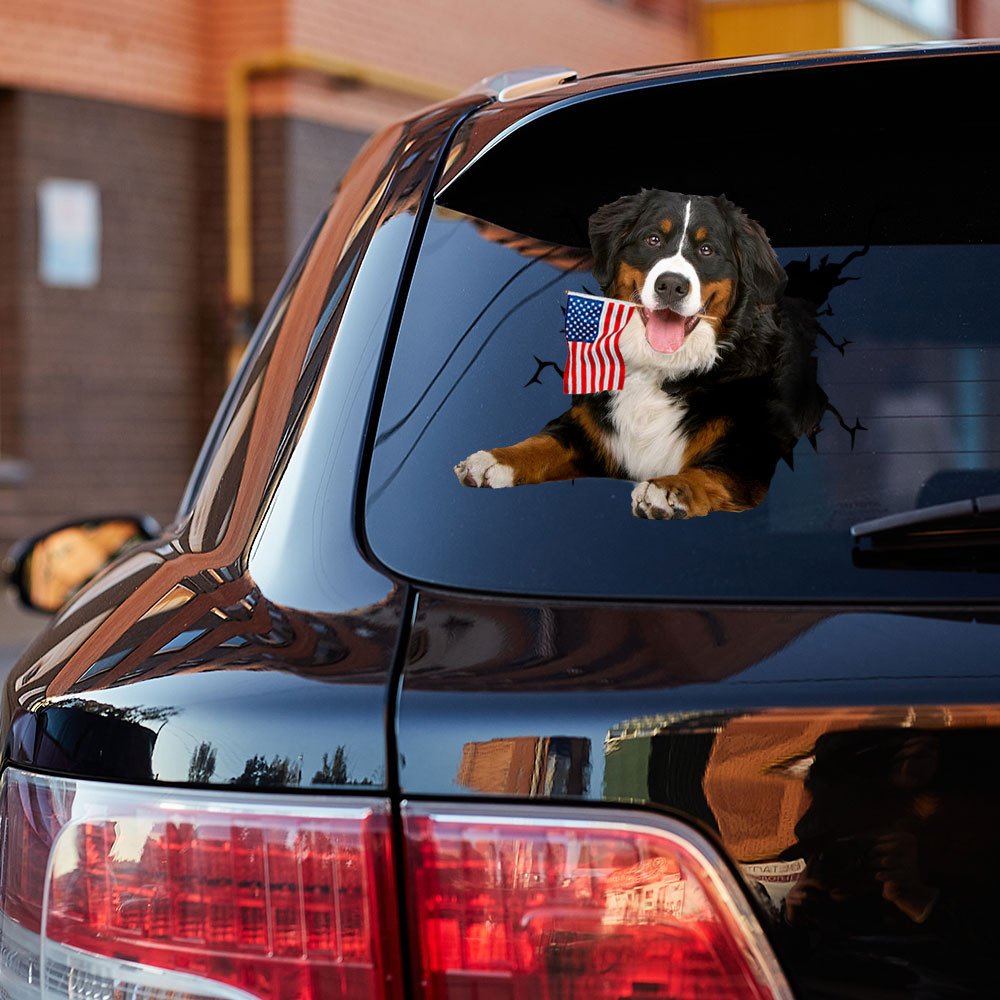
(909, 360)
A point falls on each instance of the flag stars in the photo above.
(593, 330)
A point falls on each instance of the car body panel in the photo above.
(800, 739)
(496, 120)
(154, 641)
(244, 692)
(479, 672)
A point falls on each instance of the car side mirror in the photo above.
(47, 569)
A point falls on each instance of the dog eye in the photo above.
(706, 250)
(653, 240)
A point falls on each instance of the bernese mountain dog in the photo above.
(720, 378)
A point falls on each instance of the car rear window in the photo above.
(909, 355)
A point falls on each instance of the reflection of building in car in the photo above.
(527, 765)
(640, 893)
(663, 756)
(67, 558)
(773, 880)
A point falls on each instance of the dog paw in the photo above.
(658, 503)
(482, 469)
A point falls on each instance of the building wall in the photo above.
(174, 54)
(979, 18)
(9, 287)
(105, 393)
(135, 51)
(862, 24)
(749, 27)
(107, 376)
(296, 164)
(455, 43)
(746, 28)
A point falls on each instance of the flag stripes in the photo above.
(594, 327)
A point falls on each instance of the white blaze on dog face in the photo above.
(674, 256)
(654, 298)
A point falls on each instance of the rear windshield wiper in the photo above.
(961, 535)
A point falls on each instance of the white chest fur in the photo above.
(646, 440)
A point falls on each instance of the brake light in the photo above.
(235, 896)
(558, 905)
(166, 894)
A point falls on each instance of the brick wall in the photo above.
(9, 286)
(979, 18)
(137, 51)
(174, 54)
(105, 393)
(109, 407)
(455, 42)
(296, 164)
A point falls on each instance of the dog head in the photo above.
(701, 271)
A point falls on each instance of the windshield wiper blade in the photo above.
(957, 522)
(963, 535)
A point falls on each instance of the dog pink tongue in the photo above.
(664, 331)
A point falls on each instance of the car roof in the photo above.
(823, 158)
(498, 118)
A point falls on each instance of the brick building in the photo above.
(108, 379)
(106, 385)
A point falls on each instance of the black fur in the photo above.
(611, 226)
(764, 381)
(738, 418)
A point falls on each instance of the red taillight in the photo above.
(276, 898)
(158, 894)
(560, 906)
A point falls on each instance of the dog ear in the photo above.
(762, 277)
(609, 227)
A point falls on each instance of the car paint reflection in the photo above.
(850, 825)
(269, 696)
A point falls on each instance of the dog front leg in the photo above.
(694, 492)
(538, 459)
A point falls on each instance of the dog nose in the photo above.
(672, 287)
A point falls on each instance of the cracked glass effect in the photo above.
(909, 374)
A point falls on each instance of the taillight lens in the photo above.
(116, 892)
(564, 904)
(146, 893)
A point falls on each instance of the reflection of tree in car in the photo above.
(202, 766)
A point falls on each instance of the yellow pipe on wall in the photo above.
(239, 221)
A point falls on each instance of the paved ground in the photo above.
(18, 627)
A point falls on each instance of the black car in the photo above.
(348, 729)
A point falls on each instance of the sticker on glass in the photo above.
(692, 373)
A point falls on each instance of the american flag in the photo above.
(593, 329)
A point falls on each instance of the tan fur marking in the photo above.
(628, 281)
(721, 294)
(538, 459)
(665, 226)
(701, 233)
(706, 490)
(705, 439)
